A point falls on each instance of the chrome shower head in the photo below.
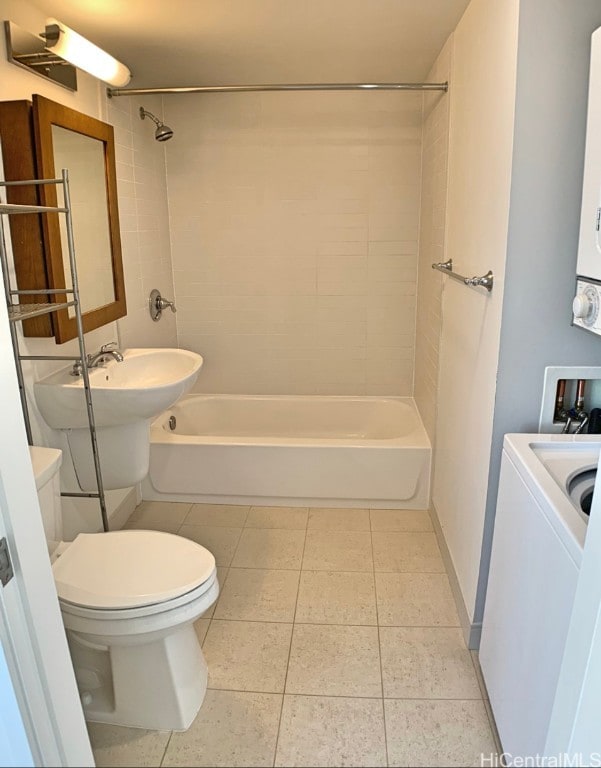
(163, 132)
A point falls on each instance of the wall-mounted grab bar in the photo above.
(484, 281)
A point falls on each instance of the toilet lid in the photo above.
(129, 569)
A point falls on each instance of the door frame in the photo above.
(31, 628)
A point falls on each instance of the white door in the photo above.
(14, 744)
(31, 631)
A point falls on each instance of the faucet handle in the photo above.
(110, 347)
(584, 420)
(157, 304)
(77, 369)
(165, 303)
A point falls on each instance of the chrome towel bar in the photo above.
(484, 281)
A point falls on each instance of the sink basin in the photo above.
(142, 386)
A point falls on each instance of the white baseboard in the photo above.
(471, 630)
(121, 514)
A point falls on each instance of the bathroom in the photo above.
(295, 232)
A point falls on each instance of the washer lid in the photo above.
(129, 569)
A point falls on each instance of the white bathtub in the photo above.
(291, 450)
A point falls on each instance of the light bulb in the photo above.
(85, 55)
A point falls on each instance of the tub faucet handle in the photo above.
(157, 304)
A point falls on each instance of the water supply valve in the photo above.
(156, 304)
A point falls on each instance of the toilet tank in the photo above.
(46, 463)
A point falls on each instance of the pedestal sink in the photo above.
(126, 396)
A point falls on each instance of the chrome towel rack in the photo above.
(63, 298)
(484, 281)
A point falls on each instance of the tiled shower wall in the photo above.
(144, 220)
(431, 248)
(294, 226)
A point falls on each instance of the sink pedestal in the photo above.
(124, 455)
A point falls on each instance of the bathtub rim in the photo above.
(417, 438)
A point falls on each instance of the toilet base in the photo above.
(159, 685)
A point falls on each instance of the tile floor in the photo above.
(334, 642)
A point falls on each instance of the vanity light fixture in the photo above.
(71, 46)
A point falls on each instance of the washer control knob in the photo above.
(581, 305)
(586, 305)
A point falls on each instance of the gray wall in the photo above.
(548, 159)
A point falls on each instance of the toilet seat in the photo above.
(131, 572)
(207, 590)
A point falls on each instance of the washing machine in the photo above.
(545, 489)
(574, 469)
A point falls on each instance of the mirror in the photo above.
(84, 157)
(85, 146)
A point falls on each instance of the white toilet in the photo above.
(129, 600)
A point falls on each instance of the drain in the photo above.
(580, 489)
(585, 502)
(172, 423)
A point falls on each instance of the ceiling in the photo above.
(211, 42)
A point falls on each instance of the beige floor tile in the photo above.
(160, 512)
(247, 656)
(224, 515)
(426, 663)
(321, 731)
(222, 542)
(231, 729)
(483, 690)
(334, 661)
(202, 627)
(338, 551)
(151, 525)
(258, 595)
(222, 573)
(479, 675)
(274, 549)
(415, 600)
(330, 519)
(437, 733)
(404, 520)
(493, 726)
(293, 518)
(123, 747)
(334, 597)
(407, 552)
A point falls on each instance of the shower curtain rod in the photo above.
(280, 87)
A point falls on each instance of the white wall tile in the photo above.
(432, 242)
(294, 224)
(144, 221)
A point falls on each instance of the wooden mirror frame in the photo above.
(47, 113)
(18, 160)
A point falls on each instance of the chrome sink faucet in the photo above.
(106, 350)
(95, 361)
